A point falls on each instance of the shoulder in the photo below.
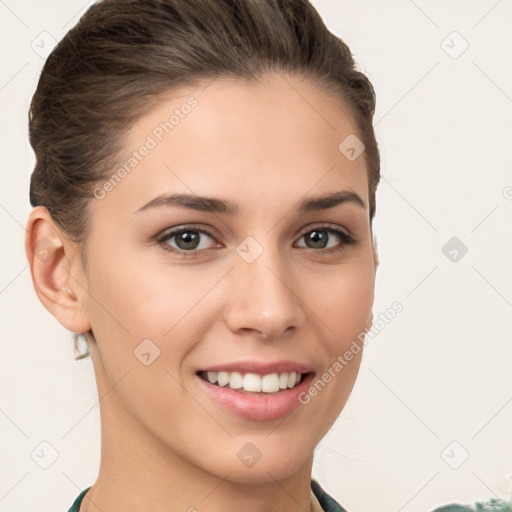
(328, 503)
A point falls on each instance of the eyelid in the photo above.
(184, 227)
(325, 225)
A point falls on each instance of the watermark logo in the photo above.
(455, 455)
(249, 455)
(249, 249)
(454, 249)
(44, 455)
(146, 352)
(454, 45)
(44, 249)
(351, 147)
(43, 44)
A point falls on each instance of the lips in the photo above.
(256, 390)
(260, 367)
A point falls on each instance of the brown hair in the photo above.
(111, 67)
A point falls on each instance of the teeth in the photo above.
(270, 383)
(252, 382)
(236, 380)
(222, 378)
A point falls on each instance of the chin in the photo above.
(252, 465)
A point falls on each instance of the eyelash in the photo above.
(161, 239)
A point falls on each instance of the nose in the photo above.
(264, 299)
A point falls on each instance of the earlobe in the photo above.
(369, 322)
(52, 265)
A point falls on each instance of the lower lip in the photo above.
(258, 406)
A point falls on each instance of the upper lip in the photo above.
(260, 367)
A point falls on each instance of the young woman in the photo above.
(203, 198)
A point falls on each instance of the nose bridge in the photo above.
(263, 298)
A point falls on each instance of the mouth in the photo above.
(256, 390)
(254, 383)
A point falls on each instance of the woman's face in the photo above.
(258, 281)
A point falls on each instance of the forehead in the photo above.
(271, 139)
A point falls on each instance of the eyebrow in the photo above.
(222, 206)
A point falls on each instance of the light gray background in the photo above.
(438, 373)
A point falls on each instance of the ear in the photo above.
(369, 321)
(375, 252)
(56, 270)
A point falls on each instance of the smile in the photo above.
(256, 390)
(253, 382)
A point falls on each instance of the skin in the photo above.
(165, 444)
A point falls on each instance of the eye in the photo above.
(321, 236)
(187, 239)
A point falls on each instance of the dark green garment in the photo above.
(492, 505)
(76, 505)
(326, 502)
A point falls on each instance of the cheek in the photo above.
(135, 311)
(134, 295)
(344, 304)
(133, 302)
